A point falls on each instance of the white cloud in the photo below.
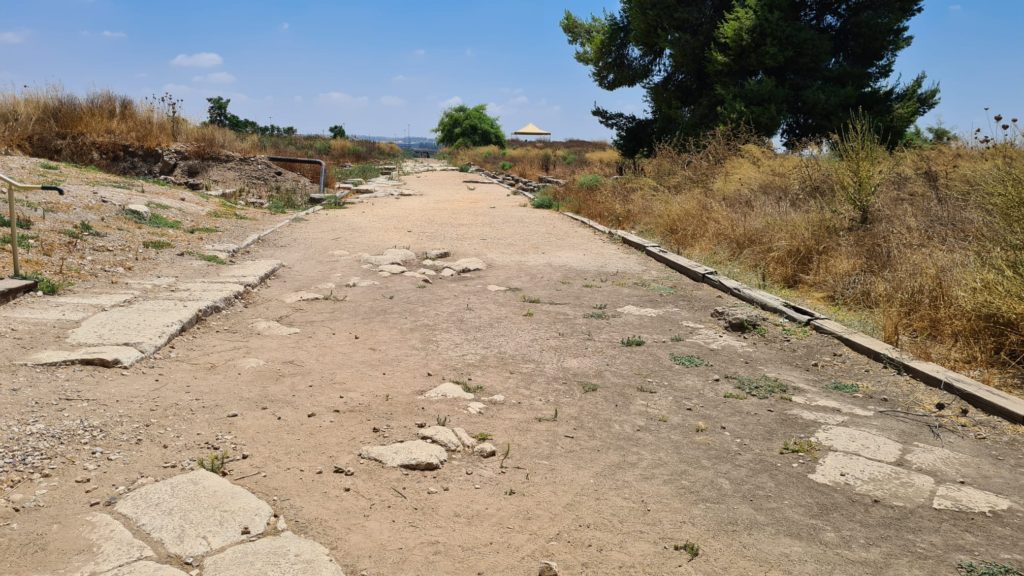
(13, 37)
(399, 78)
(392, 101)
(343, 99)
(109, 34)
(453, 101)
(198, 60)
(215, 78)
(955, 7)
(419, 52)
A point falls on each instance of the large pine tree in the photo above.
(797, 68)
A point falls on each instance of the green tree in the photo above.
(797, 68)
(217, 112)
(462, 126)
(337, 131)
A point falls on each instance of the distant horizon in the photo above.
(403, 64)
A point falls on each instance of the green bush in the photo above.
(589, 181)
(545, 201)
(506, 165)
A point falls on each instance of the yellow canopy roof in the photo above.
(531, 130)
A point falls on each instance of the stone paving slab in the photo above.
(46, 310)
(196, 513)
(146, 326)
(248, 274)
(112, 546)
(11, 288)
(284, 555)
(882, 481)
(218, 295)
(145, 568)
(105, 356)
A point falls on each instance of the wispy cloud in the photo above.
(342, 99)
(285, 26)
(215, 78)
(453, 101)
(955, 7)
(197, 60)
(419, 52)
(392, 101)
(111, 34)
(14, 36)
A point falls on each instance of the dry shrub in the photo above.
(532, 160)
(937, 267)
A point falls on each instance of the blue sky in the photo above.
(386, 66)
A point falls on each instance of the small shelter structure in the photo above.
(533, 131)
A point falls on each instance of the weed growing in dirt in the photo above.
(45, 285)
(762, 387)
(23, 222)
(441, 420)
(844, 387)
(530, 299)
(589, 181)
(467, 387)
(687, 360)
(87, 229)
(799, 332)
(597, 315)
(632, 341)
(589, 387)
(552, 418)
(646, 389)
(211, 258)
(545, 201)
(24, 240)
(156, 244)
(676, 338)
(157, 205)
(228, 213)
(49, 166)
(202, 230)
(214, 463)
(600, 306)
(528, 313)
(691, 548)
(734, 396)
(701, 427)
(155, 182)
(969, 568)
(482, 436)
(508, 450)
(800, 446)
(155, 220)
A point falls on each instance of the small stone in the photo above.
(437, 254)
(476, 407)
(421, 424)
(393, 269)
(82, 480)
(448, 273)
(311, 414)
(431, 490)
(485, 450)
(138, 210)
(467, 265)
(448, 390)
(547, 568)
(441, 436)
(464, 437)
(232, 414)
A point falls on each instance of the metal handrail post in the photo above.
(11, 186)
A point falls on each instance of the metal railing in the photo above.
(13, 185)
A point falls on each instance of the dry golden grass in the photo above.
(105, 129)
(532, 160)
(933, 264)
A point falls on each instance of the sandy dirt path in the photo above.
(644, 455)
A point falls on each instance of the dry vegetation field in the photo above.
(922, 247)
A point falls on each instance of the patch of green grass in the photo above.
(202, 230)
(155, 182)
(360, 171)
(24, 240)
(632, 341)
(482, 436)
(227, 214)
(545, 201)
(285, 202)
(156, 244)
(467, 387)
(734, 395)
(49, 166)
(691, 548)
(45, 285)
(797, 332)
(597, 315)
(23, 222)
(530, 299)
(600, 306)
(970, 568)
(844, 387)
(506, 165)
(589, 181)
(155, 220)
(762, 387)
(676, 338)
(687, 360)
(800, 446)
(465, 167)
(589, 387)
(157, 205)
(211, 258)
(214, 462)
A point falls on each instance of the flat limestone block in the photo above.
(284, 555)
(195, 513)
(44, 309)
(883, 481)
(145, 568)
(413, 454)
(859, 442)
(105, 356)
(218, 294)
(966, 499)
(248, 273)
(146, 326)
(110, 545)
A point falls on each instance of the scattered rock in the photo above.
(448, 390)
(738, 319)
(496, 399)
(437, 254)
(448, 273)
(485, 450)
(967, 499)
(301, 296)
(441, 436)
(467, 265)
(271, 328)
(464, 437)
(495, 288)
(138, 210)
(393, 269)
(636, 311)
(413, 454)
(548, 569)
(390, 256)
(360, 283)
(476, 407)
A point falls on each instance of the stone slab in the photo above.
(11, 288)
(967, 499)
(882, 481)
(105, 356)
(413, 454)
(692, 270)
(145, 568)
(271, 328)
(218, 294)
(43, 309)
(301, 296)
(111, 546)
(633, 240)
(859, 442)
(146, 326)
(195, 513)
(103, 300)
(248, 274)
(448, 390)
(442, 436)
(284, 555)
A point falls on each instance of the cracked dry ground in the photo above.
(645, 454)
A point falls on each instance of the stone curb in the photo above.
(254, 238)
(971, 391)
(11, 288)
